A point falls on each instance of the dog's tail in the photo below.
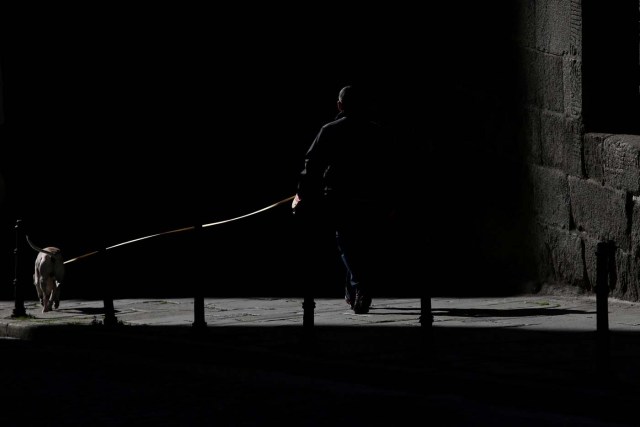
(37, 249)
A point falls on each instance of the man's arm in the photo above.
(310, 183)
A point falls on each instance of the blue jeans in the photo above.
(359, 249)
(362, 231)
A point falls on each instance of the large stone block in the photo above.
(621, 162)
(550, 191)
(600, 211)
(635, 227)
(590, 255)
(552, 143)
(624, 280)
(575, 24)
(593, 155)
(553, 29)
(561, 142)
(575, 134)
(551, 82)
(572, 75)
(560, 256)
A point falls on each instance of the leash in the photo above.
(179, 230)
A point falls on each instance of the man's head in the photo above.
(350, 99)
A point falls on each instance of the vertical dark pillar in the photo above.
(198, 300)
(107, 293)
(308, 309)
(304, 261)
(426, 316)
(18, 310)
(604, 254)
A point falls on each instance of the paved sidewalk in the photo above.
(525, 312)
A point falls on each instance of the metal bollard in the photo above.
(308, 331)
(107, 296)
(198, 300)
(605, 254)
(426, 319)
(19, 310)
(308, 307)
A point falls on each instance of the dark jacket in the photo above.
(350, 164)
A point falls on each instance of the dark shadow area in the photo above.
(482, 376)
(479, 312)
(163, 124)
(521, 312)
(611, 66)
(382, 311)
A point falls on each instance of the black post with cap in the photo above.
(605, 256)
(308, 312)
(107, 293)
(426, 318)
(199, 322)
(18, 310)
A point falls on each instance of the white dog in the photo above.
(48, 275)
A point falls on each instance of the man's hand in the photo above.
(295, 202)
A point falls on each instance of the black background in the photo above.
(124, 121)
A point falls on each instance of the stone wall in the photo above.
(583, 186)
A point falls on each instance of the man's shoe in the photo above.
(362, 304)
(349, 295)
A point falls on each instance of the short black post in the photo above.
(426, 318)
(18, 293)
(308, 311)
(604, 252)
(308, 307)
(198, 300)
(307, 224)
(107, 294)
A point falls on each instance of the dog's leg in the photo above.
(47, 291)
(55, 296)
(52, 299)
(38, 284)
